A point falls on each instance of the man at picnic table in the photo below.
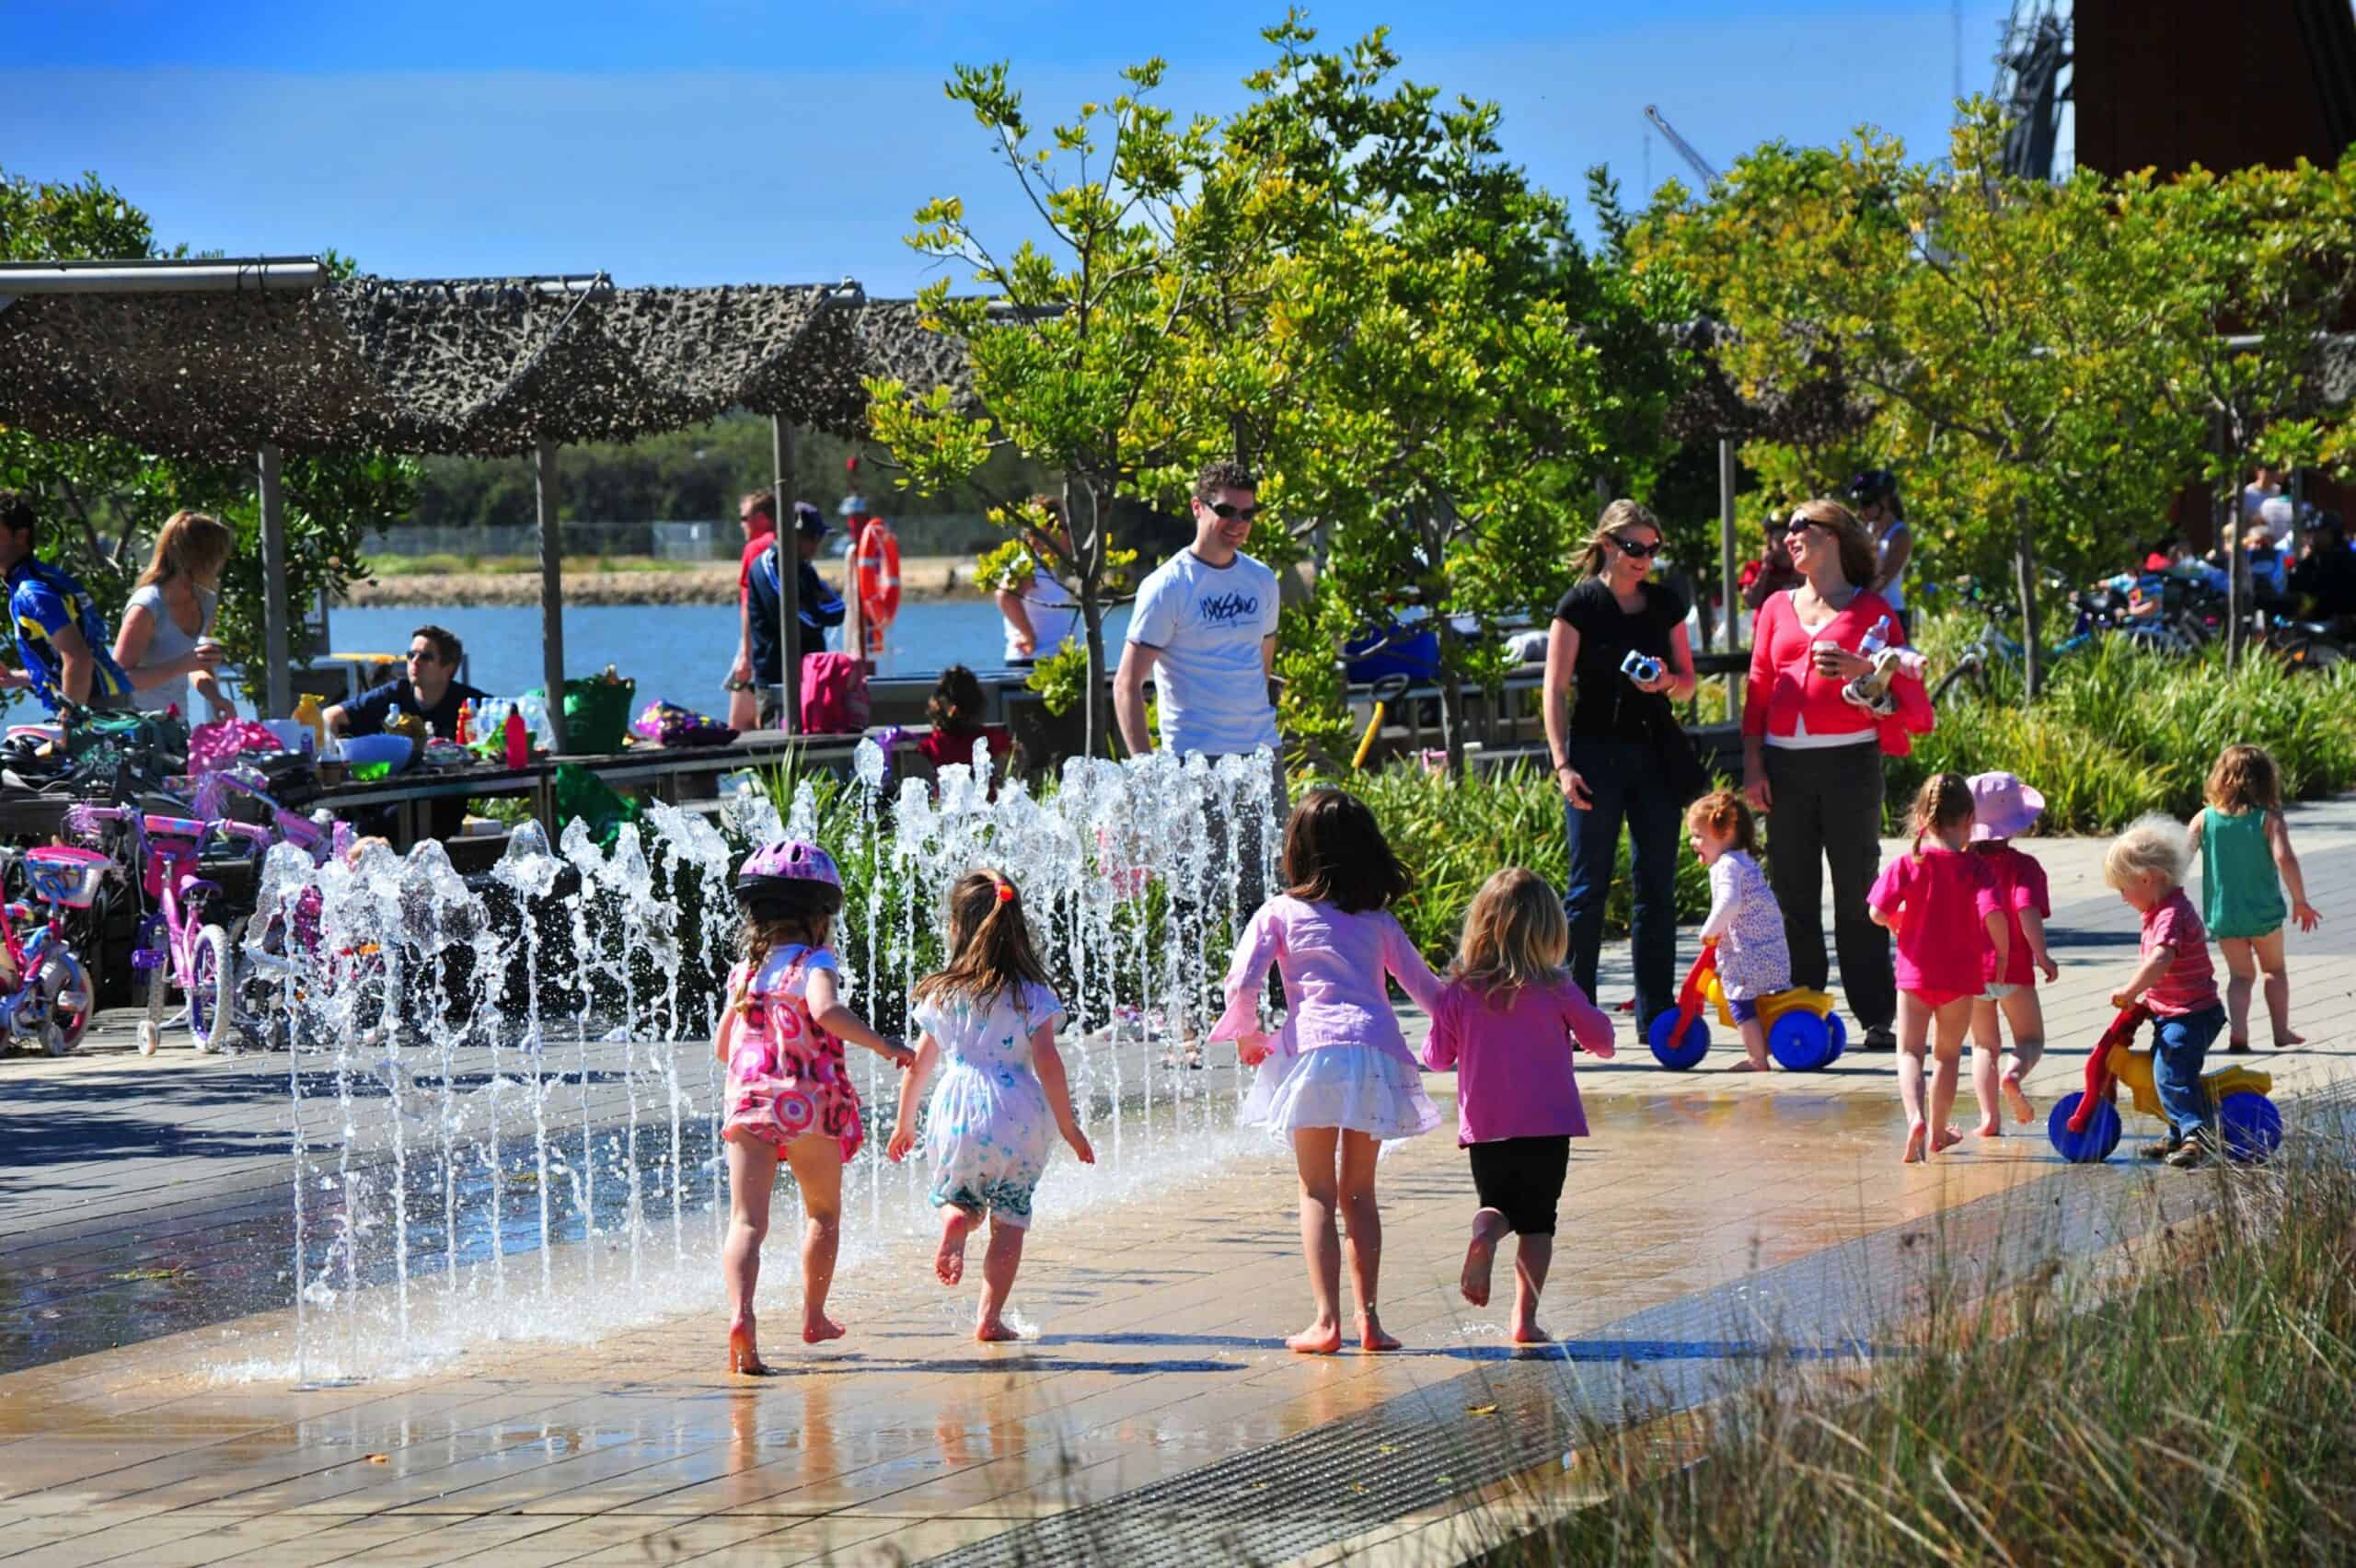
(431, 690)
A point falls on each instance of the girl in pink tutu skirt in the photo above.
(1339, 1077)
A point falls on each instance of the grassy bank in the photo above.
(2198, 1405)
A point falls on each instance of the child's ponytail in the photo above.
(1943, 801)
(990, 943)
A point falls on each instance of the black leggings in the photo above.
(1825, 806)
(1522, 1179)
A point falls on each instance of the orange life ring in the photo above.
(876, 569)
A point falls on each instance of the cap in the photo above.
(811, 521)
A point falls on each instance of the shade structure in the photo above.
(450, 366)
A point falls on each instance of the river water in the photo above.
(678, 652)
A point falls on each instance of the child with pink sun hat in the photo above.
(2002, 809)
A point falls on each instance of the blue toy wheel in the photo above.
(1799, 1042)
(2253, 1128)
(1839, 1032)
(1685, 1049)
(2091, 1146)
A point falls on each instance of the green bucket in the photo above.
(596, 714)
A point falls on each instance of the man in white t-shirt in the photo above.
(1204, 625)
(2264, 487)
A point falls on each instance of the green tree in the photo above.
(106, 496)
(1419, 379)
(1076, 342)
(2263, 266)
(2011, 332)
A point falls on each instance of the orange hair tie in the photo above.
(1006, 892)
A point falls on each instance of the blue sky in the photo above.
(723, 141)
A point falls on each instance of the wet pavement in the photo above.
(1713, 1222)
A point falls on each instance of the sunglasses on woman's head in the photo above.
(1641, 552)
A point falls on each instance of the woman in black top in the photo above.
(1609, 745)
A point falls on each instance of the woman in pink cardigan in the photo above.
(1811, 756)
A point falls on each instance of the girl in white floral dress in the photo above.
(991, 1017)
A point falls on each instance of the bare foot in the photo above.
(1488, 1230)
(949, 1264)
(994, 1331)
(1318, 1339)
(1918, 1139)
(1370, 1334)
(1990, 1128)
(1948, 1138)
(818, 1330)
(1747, 1066)
(1530, 1333)
(2018, 1102)
(743, 1356)
(2282, 1040)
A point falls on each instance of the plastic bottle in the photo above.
(1876, 638)
(307, 712)
(519, 752)
(465, 735)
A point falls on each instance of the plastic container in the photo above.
(392, 752)
(64, 874)
(308, 714)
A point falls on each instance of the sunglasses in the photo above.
(1228, 510)
(1640, 552)
(416, 655)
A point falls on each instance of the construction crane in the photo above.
(1700, 165)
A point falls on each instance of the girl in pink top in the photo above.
(2004, 807)
(1505, 1023)
(1951, 941)
(1339, 1078)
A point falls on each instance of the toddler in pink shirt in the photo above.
(1940, 904)
(1506, 1022)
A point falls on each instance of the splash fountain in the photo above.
(521, 1063)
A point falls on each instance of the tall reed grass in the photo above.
(2195, 1404)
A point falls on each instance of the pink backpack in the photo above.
(833, 695)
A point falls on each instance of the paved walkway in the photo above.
(1711, 1214)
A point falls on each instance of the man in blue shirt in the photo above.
(61, 636)
(764, 596)
(431, 690)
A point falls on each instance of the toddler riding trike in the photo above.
(1803, 1032)
(2083, 1126)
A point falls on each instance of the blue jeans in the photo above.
(2177, 1059)
(1624, 782)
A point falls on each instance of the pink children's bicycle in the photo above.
(184, 941)
(45, 994)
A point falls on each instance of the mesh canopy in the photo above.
(455, 367)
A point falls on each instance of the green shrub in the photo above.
(2121, 731)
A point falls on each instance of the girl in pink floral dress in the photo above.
(790, 1094)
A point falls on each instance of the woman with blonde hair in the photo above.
(1811, 756)
(1617, 657)
(165, 644)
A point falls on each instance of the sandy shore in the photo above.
(930, 577)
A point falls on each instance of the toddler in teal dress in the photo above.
(2245, 862)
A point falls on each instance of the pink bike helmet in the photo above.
(789, 870)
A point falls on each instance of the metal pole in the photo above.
(551, 587)
(789, 576)
(1732, 599)
(277, 683)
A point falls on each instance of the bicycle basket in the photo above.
(63, 875)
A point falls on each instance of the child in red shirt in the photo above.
(1941, 905)
(2004, 807)
(2176, 982)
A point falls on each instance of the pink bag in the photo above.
(221, 743)
(833, 695)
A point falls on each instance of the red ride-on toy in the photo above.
(2084, 1126)
(1803, 1032)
